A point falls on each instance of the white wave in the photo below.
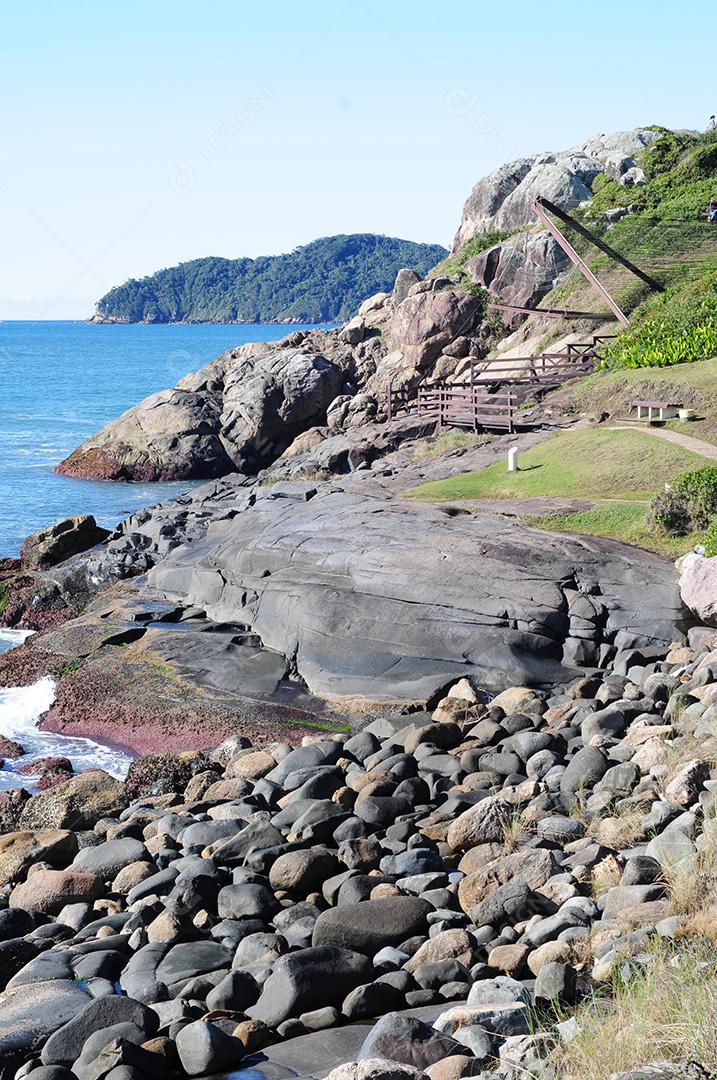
(14, 637)
(22, 709)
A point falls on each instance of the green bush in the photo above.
(677, 326)
(709, 541)
(609, 193)
(689, 503)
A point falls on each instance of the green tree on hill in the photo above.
(324, 281)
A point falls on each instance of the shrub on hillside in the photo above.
(709, 541)
(689, 503)
(677, 326)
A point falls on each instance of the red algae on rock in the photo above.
(94, 464)
(25, 664)
(148, 712)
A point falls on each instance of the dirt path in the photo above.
(687, 442)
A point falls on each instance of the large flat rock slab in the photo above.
(385, 600)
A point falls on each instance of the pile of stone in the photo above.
(459, 878)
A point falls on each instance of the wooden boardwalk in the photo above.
(490, 398)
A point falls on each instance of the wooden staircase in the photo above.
(489, 399)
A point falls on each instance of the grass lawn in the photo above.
(619, 470)
(619, 521)
(589, 463)
(691, 385)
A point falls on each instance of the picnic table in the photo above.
(648, 412)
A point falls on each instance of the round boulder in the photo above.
(371, 925)
(49, 890)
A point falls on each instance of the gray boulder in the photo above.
(520, 270)
(584, 770)
(106, 860)
(61, 1048)
(502, 200)
(372, 925)
(58, 542)
(31, 1013)
(422, 327)
(407, 1040)
(236, 414)
(309, 979)
(204, 1048)
(698, 586)
(191, 958)
(268, 402)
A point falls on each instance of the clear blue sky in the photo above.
(137, 135)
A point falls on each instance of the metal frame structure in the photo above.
(555, 313)
(468, 403)
(543, 208)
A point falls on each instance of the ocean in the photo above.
(61, 381)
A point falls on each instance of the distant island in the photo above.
(321, 282)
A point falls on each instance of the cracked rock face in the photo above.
(502, 199)
(238, 412)
(384, 600)
(520, 270)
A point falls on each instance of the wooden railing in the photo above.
(401, 400)
(467, 405)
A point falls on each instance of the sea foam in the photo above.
(21, 711)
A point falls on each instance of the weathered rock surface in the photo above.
(19, 850)
(502, 199)
(315, 578)
(520, 270)
(372, 925)
(60, 541)
(698, 586)
(238, 413)
(309, 981)
(29, 1014)
(48, 891)
(76, 804)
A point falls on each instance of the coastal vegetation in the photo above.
(619, 471)
(666, 232)
(664, 1011)
(321, 282)
(617, 520)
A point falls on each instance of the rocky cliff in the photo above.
(502, 199)
(243, 410)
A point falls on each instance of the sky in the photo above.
(137, 135)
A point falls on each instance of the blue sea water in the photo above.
(60, 382)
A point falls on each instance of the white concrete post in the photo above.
(513, 459)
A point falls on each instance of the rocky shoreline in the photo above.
(271, 610)
(413, 780)
(483, 865)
